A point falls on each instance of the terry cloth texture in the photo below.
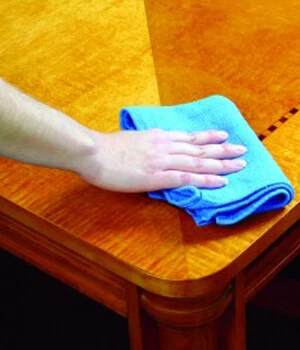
(260, 187)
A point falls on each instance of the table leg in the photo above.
(176, 323)
(233, 321)
(142, 328)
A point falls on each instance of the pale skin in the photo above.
(125, 161)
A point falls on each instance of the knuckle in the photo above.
(201, 151)
(226, 164)
(152, 161)
(226, 148)
(185, 178)
(159, 136)
(155, 164)
(211, 181)
(193, 138)
(198, 163)
(208, 180)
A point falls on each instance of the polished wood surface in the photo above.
(151, 249)
(71, 58)
(89, 59)
(247, 50)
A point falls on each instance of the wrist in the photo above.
(87, 163)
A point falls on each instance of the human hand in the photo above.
(142, 161)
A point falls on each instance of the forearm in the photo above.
(34, 133)
(132, 161)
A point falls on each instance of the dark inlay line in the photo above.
(261, 137)
(283, 119)
(293, 111)
(273, 127)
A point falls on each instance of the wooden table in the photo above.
(180, 286)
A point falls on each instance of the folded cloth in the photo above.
(259, 187)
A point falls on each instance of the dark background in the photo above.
(38, 312)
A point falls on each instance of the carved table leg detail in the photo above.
(190, 323)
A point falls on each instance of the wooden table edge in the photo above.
(18, 222)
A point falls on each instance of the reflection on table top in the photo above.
(94, 57)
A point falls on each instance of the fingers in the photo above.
(173, 179)
(203, 166)
(208, 151)
(198, 138)
(196, 159)
(205, 144)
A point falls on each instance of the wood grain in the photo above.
(246, 50)
(87, 58)
(93, 57)
(61, 262)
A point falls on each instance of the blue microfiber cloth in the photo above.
(261, 186)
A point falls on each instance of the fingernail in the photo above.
(241, 149)
(223, 181)
(222, 134)
(240, 164)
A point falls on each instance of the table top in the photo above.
(94, 57)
